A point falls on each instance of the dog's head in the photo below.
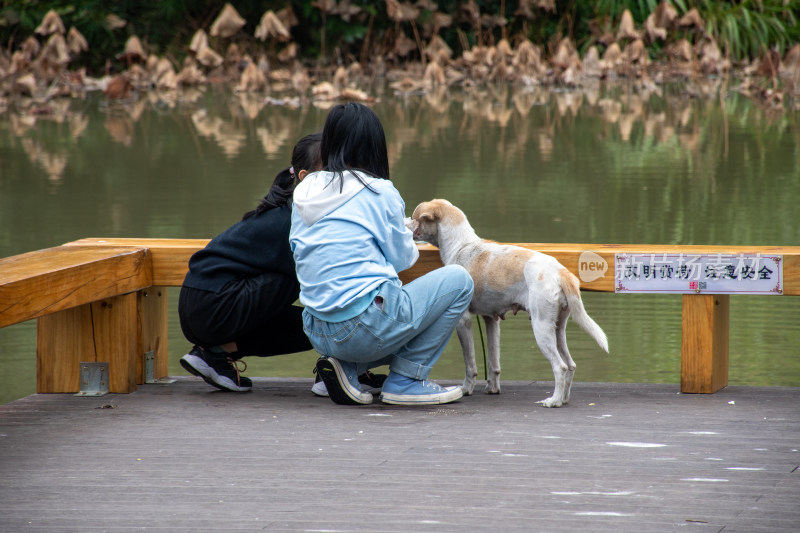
(427, 217)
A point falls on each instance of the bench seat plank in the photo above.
(170, 256)
(38, 283)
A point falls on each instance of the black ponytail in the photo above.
(279, 194)
(305, 156)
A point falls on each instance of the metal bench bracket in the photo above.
(94, 379)
(149, 369)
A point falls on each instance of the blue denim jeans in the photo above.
(405, 327)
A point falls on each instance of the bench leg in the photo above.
(63, 341)
(153, 322)
(704, 343)
(107, 330)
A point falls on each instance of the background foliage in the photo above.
(744, 28)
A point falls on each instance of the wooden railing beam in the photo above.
(105, 299)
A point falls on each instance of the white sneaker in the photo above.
(319, 388)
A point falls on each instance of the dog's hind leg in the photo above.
(546, 338)
(464, 331)
(563, 351)
(493, 359)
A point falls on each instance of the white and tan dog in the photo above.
(508, 278)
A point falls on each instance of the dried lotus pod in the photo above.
(287, 17)
(76, 42)
(168, 80)
(434, 75)
(199, 41)
(652, 31)
(252, 79)
(209, 58)
(692, 19)
(190, 74)
(400, 12)
(134, 51)
(55, 50)
(437, 46)
(51, 23)
(403, 45)
(504, 48)
(271, 26)
(25, 84)
(665, 15)
(114, 22)
(612, 55)
(300, 81)
(288, 53)
(346, 10)
(591, 62)
(227, 22)
(626, 27)
(680, 51)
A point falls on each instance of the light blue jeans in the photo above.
(405, 327)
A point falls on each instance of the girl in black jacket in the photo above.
(237, 298)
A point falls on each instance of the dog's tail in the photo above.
(572, 290)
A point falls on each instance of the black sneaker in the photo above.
(373, 382)
(368, 382)
(341, 381)
(217, 369)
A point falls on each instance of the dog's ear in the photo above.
(428, 216)
(428, 212)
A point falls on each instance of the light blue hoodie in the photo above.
(347, 240)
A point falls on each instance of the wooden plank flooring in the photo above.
(619, 457)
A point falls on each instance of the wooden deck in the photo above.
(619, 457)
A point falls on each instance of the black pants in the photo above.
(255, 313)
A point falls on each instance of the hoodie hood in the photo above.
(321, 193)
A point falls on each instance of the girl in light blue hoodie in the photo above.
(349, 242)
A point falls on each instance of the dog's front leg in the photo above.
(464, 330)
(493, 360)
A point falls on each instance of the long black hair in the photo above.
(305, 156)
(353, 139)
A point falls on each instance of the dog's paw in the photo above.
(550, 402)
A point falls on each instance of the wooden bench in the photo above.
(92, 303)
(106, 300)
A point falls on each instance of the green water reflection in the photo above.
(685, 165)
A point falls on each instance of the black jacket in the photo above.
(251, 247)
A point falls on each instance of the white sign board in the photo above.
(698, 274)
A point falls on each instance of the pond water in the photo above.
(694, 164)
